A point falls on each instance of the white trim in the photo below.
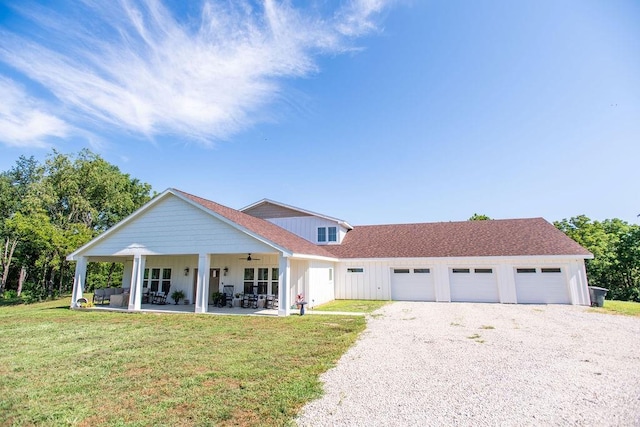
(313, 257)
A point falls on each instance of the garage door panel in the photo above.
(542, 288)
(473, 287)
(411, 286)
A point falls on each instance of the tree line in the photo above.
(47, 210)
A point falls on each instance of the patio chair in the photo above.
(160, 298)
(228, 293)
(270, 301)
(145, 296)
(246, 301)
(99, 296)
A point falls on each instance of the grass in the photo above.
(352, 306)
(627, 308)
(84, 368)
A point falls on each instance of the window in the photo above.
(551, 270)
(421, 270)
(400, 270)
(355, 270)
(460, 270)
(166, 280)
(275, 277)
(483, 270)
(263, 280)
(153, 281)
(327, 234)
(249, 275)
(525, 270)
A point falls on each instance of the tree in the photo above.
(49, 210)
(615, 245)
(479, 217)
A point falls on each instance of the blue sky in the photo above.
(373, 111)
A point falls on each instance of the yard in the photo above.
(64, 367)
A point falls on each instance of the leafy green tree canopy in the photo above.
(615, 245)
(479, 217)
(48, 210)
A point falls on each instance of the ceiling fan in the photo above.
(248, 258)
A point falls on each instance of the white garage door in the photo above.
(541, 286)
(412, 284)
(473, 285)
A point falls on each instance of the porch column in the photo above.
(284, 305)
(137, 275)
(79, 281)
(127, 275)
(202, 285)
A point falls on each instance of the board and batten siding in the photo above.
(322, 280)
(299, 278)
(374, 283)
(174, 226)
(307, 227)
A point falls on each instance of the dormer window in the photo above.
(333, 234)
(327, 234)
(322, 234)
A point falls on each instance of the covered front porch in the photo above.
(178, 242)
(272, 280)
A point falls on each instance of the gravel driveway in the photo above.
(485, 364)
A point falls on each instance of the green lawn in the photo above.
(628, 308)
(71, 367)
(351, 305)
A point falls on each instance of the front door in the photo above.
(214, 282)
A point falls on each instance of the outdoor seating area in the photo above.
(103, 295)
(258, 301)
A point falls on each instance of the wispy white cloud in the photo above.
(136, 66)
(24, 121)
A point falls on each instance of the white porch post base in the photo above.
(79, 281)
(137, 274)
(202, 286)
(284, 304)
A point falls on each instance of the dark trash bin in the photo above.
(597, 295)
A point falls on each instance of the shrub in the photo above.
(10, 294)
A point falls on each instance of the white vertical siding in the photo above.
(374, 282)
(321, 288)
(506, 283)
(307, 226)
(441, 279)
(578, 286)
(299, 282)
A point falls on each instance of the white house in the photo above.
(180, 241)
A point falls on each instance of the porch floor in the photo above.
(225, 311)
(190, 308)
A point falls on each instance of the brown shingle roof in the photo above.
(510, 237)
(269, 231)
